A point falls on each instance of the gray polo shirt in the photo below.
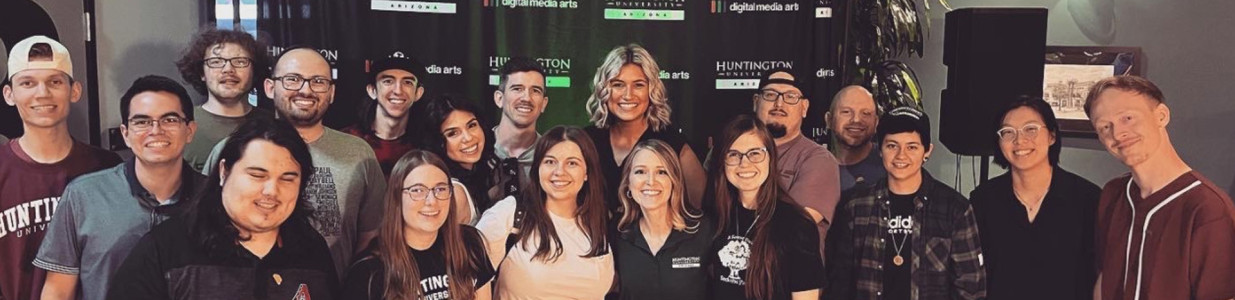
(99, 219)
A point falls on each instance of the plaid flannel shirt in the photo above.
(946, 261)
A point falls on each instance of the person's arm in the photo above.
(59, 286)
(1097, 288)
(60, 251)
(1211, 262)
(463, 203)
(696, 178)
(485, 292)
(494, 227)
(968, 273)
(806, 295)
(372, 203)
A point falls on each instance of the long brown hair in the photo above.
(679, 213)
(591, 215)
(401, 271)
(763, 262)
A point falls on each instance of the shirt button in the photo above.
(880, 267)
(881, 240)
(878, 293)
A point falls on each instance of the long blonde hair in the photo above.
(680, 215)
(401, 272)
(658, 110)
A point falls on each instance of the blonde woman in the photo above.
(659, 240)
(628, 105)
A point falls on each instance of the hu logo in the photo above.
(302, 293)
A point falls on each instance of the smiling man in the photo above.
(35, 167)
(852, 121)
(807, 170)
(103, 214)
(347, 187)
(521, 97)
(908, 236)
(1164, 231)
(396, 83)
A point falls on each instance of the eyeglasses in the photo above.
(293, 82)
(237, 62)
(769, 95)
(1008, 134)
(167, 123)
(734, 157)
(420, 192)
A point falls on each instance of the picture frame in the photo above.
(1069, 72)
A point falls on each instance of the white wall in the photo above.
(138, 38)
(1187, 50)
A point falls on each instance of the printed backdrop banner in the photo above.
(711, 52)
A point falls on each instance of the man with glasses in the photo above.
(395, 84)
(102, 215)
(222, 64)
(852, 121)
(520, 96)
(35, 167)
(807, 170)
(347, 189)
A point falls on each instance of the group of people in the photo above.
(425, 199)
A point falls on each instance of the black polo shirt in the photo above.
(168, 263)
(678, 271)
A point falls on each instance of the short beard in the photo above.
(777, 130)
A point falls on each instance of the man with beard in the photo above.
(395, 84)
(1164, 231)
(222, 64)
(347, 188)
(807, 170)
(103, 214)
(520, 96)
(852, 122)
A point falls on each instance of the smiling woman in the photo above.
(461, 138)
(421, 244)
(555, 229)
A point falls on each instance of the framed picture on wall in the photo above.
(1069, 73)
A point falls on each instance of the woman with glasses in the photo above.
(457, 133)
(661, 245)
(550, 242)
(628, 105)
(766, 246)
(421, 252)
(1035, 221)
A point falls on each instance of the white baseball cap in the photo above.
(19, 57)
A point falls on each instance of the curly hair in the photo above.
(658, 111)
(190, 63)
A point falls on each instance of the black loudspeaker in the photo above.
(993, 55)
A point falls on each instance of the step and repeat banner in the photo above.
(711, 52)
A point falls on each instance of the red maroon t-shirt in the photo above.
(29, 192)
(388, 151)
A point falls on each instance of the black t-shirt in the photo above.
(612, 169)
(677, 271)
(170, 263)
(795, 240)
(896, 278)
(366, 279)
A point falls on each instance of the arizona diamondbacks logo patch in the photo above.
(302, 293)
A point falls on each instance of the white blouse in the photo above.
(570, 276)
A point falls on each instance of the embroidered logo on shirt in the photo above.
(686, 262)
(302, 293)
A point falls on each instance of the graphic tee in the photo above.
(900, 228)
